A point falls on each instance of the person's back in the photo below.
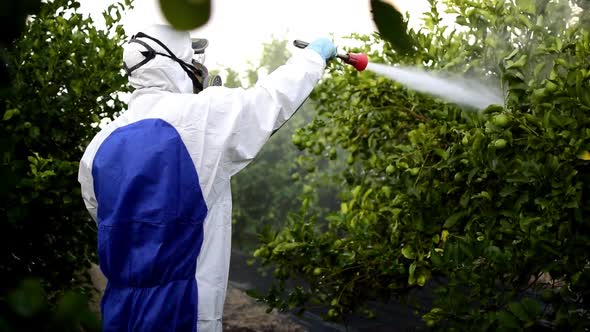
(157, 181)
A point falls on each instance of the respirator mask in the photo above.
(196, 70)
(202, 73)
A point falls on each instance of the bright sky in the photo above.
(238, 28)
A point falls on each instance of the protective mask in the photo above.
(198, 76)
(198, 62)
(202, 74)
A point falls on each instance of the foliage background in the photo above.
(263, 192)
(65, 76)
(268, 191)
(489, 208)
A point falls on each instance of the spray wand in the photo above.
(358, 60)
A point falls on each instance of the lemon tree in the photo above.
(489, 208)
(65, 76)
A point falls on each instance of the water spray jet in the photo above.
(459, 90)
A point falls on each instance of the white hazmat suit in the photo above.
(157, 181)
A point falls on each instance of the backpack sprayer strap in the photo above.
(150, 53)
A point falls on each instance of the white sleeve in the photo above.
(259, 111)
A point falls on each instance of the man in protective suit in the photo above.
(157, 179)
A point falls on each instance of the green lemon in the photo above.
(500, 120)
(332, 154)
(390, 169)
(332, 313)
(386, 190)
(500, 143)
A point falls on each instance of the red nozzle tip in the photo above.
(358, 60)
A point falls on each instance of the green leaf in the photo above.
(411, 274)
(526, 5)
(423, 277)
(494, 253)
(442, 153)
(532, 307)
(408, 253)
(465, 199)
(507, 320)
(525, 222)
(71, 305)
(186, 14)
(518, 311)
(436, 259)
(366, 195)
(356, 191)
(483, 194)
(10, 113)
(286, 246)
(512, 54)
(392, 26)
(508, 190)
(540, 66)
(452, 220)
(28, 299)
(521, 62)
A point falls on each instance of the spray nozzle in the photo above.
(358, 60)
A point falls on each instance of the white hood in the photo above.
(161, 72)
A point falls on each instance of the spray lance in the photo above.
(358, 60)
(458, 90)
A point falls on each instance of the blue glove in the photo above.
(324, 47)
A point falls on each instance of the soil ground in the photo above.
(241, 312)
(244, 314)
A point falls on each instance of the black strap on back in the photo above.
(150, 53)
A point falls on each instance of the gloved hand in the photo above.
(324, 47)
